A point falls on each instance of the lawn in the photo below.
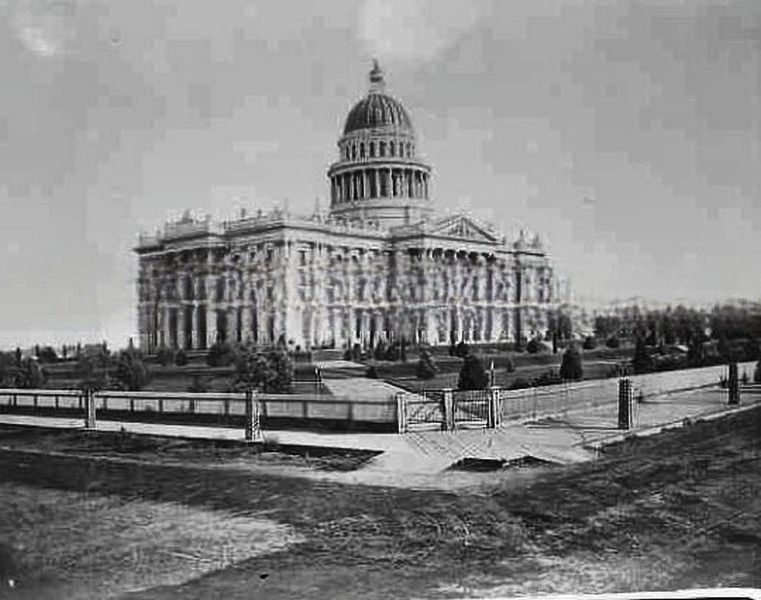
(670, 511)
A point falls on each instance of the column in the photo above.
(194, 341)
(376, 178)
(211, 324)
(181, 326)
(167, 329)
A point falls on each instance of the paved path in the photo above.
(361, 388)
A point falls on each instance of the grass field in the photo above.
(675, 510)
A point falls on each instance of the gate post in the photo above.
(401, 412)
(624, 403)
(253, 426)
(733, 384)
(494, 413)
(447, 423)
(90, 422)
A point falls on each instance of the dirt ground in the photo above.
(679, 509)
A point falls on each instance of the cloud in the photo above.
(44, 28)
(414, 30)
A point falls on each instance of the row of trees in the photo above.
(682, 325)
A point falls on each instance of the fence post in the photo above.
(624, 403)
(90, 422)
(401, 412)
(447, 423)
(253, 426)
(733, 384)
(495, 410)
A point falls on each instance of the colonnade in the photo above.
(365, 184)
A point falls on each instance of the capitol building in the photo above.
(379, 265)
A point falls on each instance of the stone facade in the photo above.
(378, 266)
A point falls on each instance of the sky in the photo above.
(627, 134)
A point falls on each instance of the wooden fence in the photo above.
(300, 410)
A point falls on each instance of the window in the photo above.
(382, 149)
(354, 152)
(362, 150)
(372, 149)
(391, 149)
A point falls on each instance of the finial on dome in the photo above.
(376, 77)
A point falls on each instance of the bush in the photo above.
(181, 358)
(462, 350)
(570, 367)
(426, 366)
(757, 373)
(269, 370)
(131, 373)
(613, 342)
(589, 343)
(372, 372)
(92, 368)
(164, 356)
(472, 374)
(548, 378)
(510, 364)
(520, 384)
(220, 354)
(534, 346)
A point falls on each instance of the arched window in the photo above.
(409, 149)
(391, 149)
(362, 150)
(372, 149)
(382, 149)
(354, 152)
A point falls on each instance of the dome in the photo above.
(377, 109)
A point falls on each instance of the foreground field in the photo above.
(676, 510)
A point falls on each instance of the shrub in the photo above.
(92, 368)
(461, 350)
(181, 358)
(533, 346)
(269, 370)
(589, 343)
(613, 342)
(548, 378)
(520, 384)
(131, 373)
(510, 364)
(372, 372)
(426, 366)
(570, 367)
(472, 374)
(757, 373)
(393, 352)
(220, 354)
(164, 356)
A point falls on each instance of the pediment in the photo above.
(463, 227)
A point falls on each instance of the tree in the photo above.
(472, 374)
(757, 373)
(269, 370)
(509, 364)
(461, 349)
(48, 355)
(131, 372)
(426, 366)
(613, 342)
(570, 367)
(642, 361)
(92, 368)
